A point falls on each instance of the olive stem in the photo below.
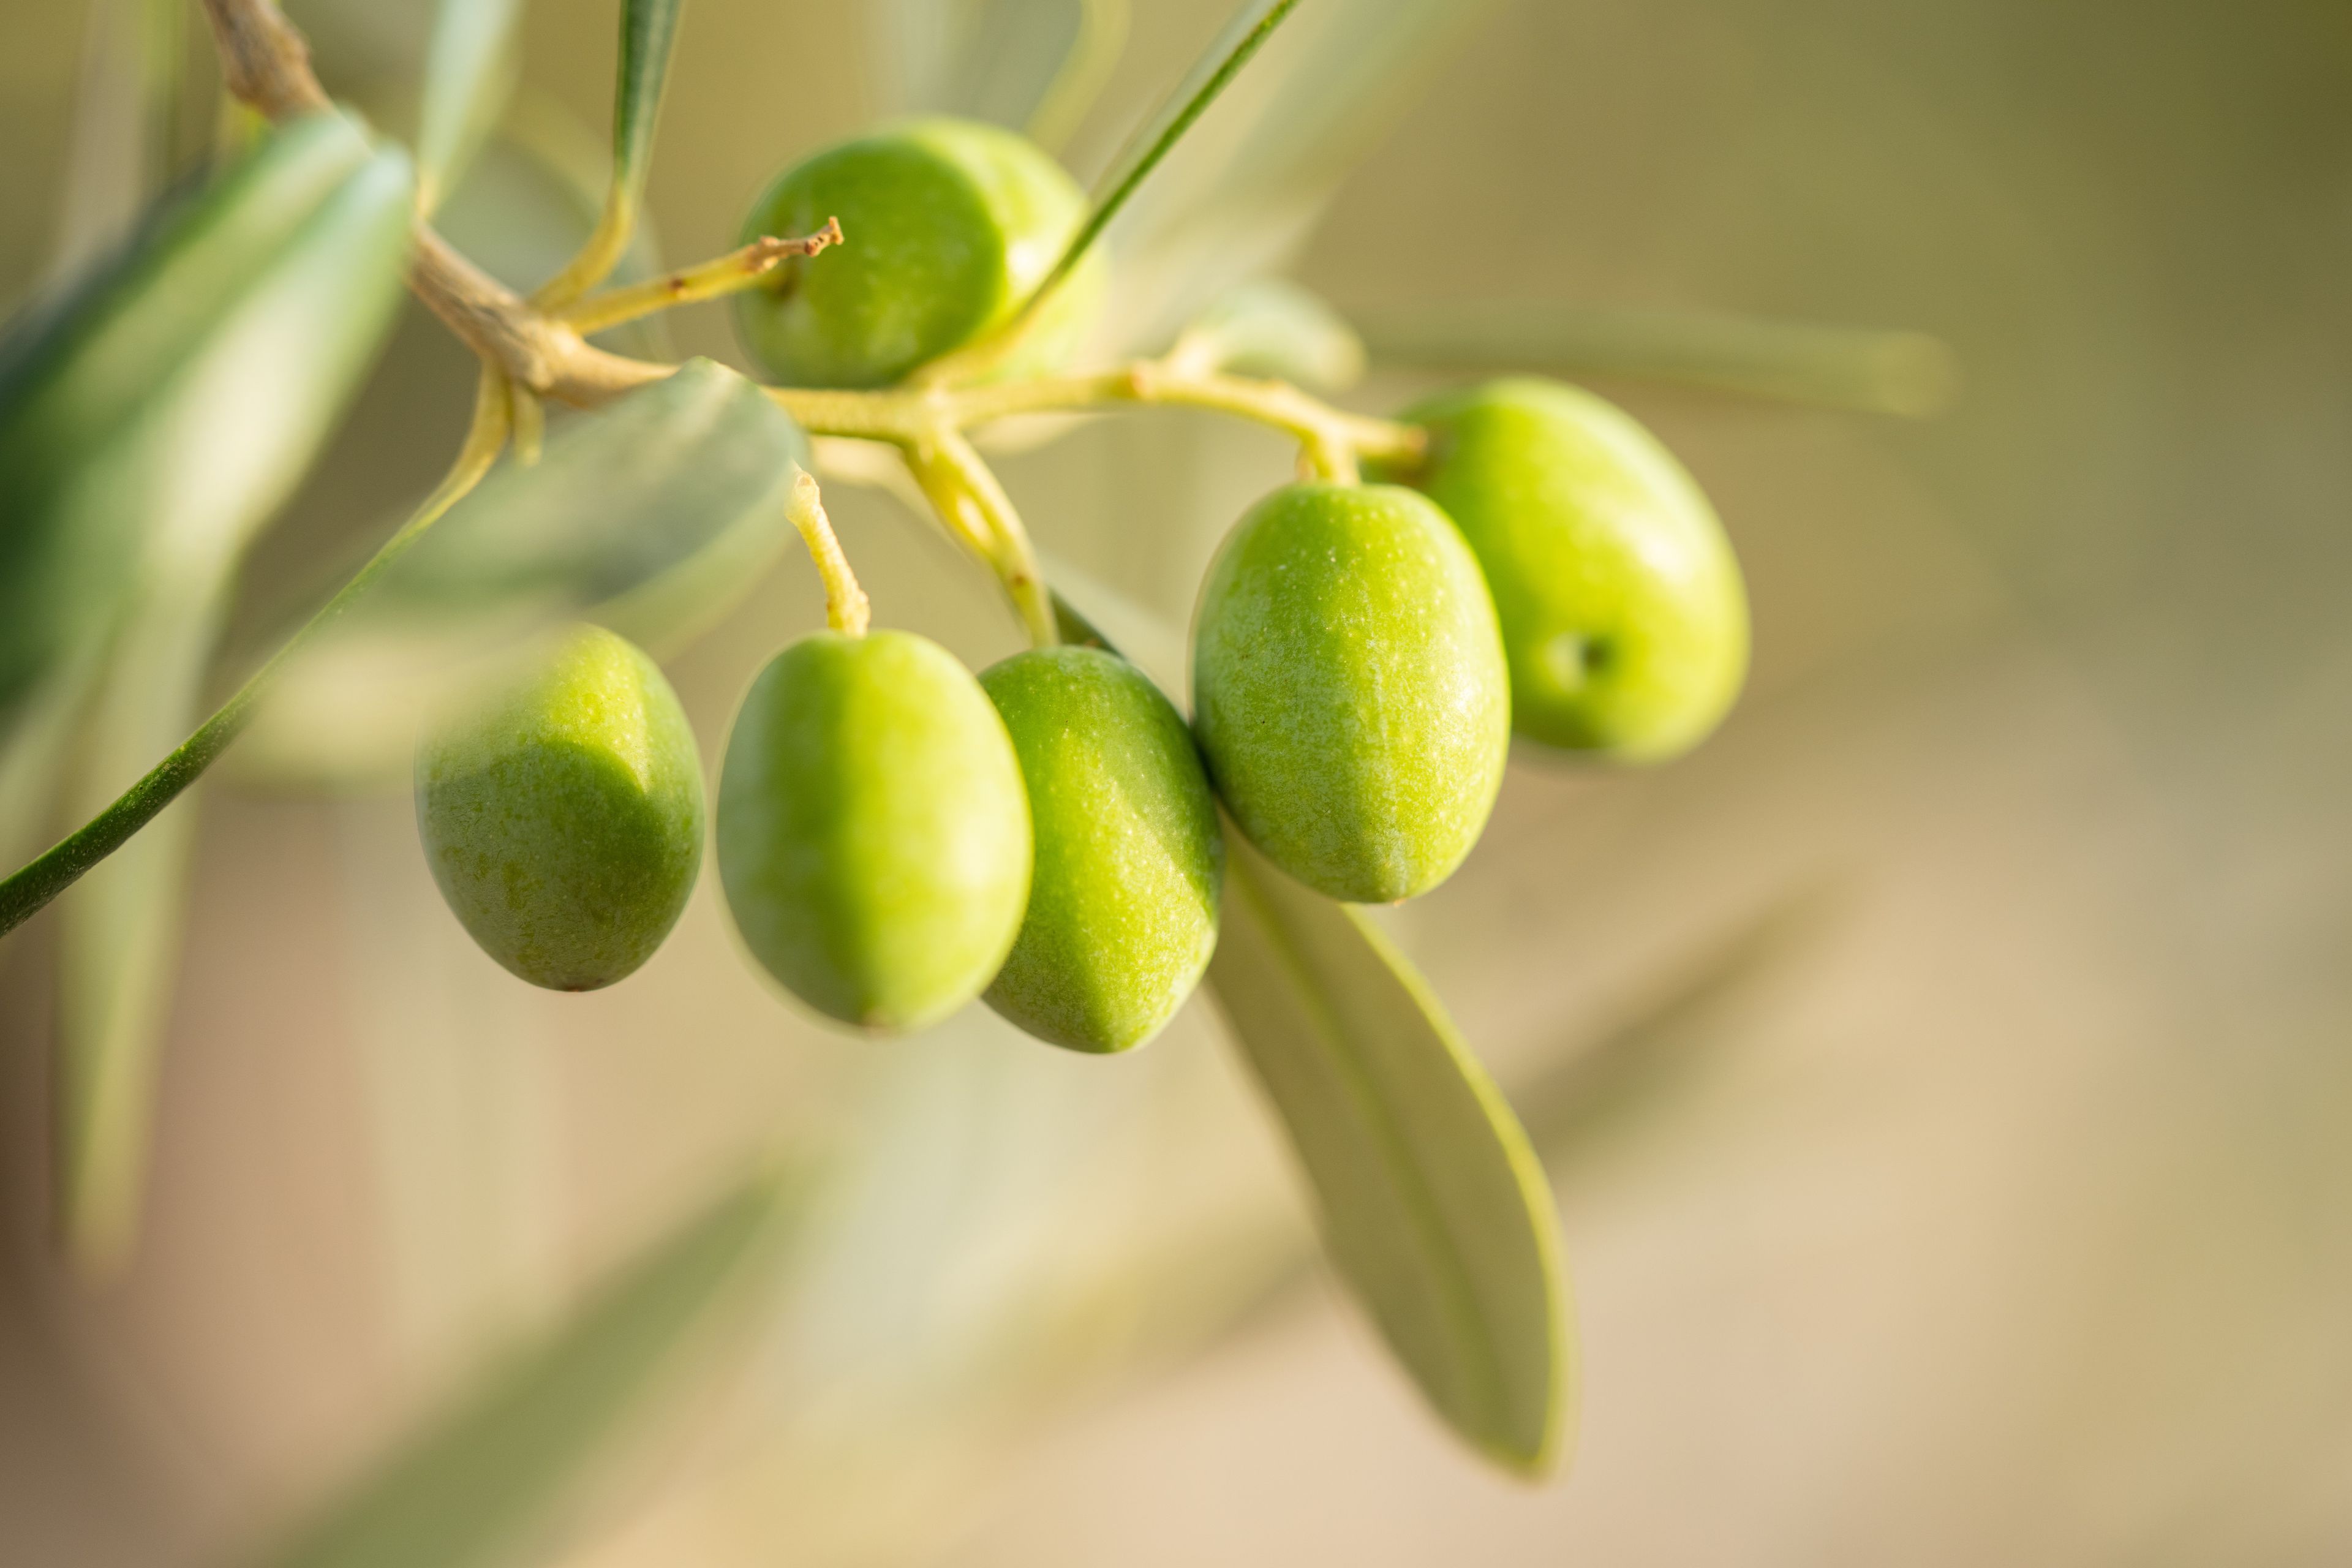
(846, 608)
(24, 894)
(964, 491)
(709, 281)
(617, 223)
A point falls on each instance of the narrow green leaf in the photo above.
(480, 1484)
(1243, 36)
(1432, 1205)
(468, 75)
(285, 355)
(1240, 196)
(1908, 374)
(648, 28)
(654, 516)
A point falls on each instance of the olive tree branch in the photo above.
(42, 880)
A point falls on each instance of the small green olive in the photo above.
(948, 225)
(1624, 615)
(563, 820)
(1123, 905)
(873, 835)
(1348, 689)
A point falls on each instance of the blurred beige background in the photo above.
(1945, 1072)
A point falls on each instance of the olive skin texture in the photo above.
(947, 225)
(873, 835)
(564, 819)
(1123, 911)
(1348, 689)
(1624, 617)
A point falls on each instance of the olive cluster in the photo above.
(896, 837)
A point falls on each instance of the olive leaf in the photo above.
(648, 28)
(469, 72)
(484, 1479)
(282, 357)
(1858, 369)
(1244, 191)
(152, 403)
(1432, 1202)
(653, 516)
(1243, 36)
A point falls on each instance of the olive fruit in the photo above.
(563, 817)
(948, 225)
(873, 835)
(1123, 902)
(1348, 689)
(1624, 618)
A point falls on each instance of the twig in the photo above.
(736, 269)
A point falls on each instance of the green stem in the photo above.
(23, 895)
(964, 490)
(1333, 437)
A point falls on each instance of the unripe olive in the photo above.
(1123, 904)
(948, 225)
(873, 836)
(1348, 689)
(1624, 615)
(564, 819)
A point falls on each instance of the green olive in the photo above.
(564, 819)
(873, 835)
(1624, 615)
(948, 225)
(1348, 689)
(1123, 904)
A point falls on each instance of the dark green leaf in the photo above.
(1432, 1202)
(1791, 362)
(483, 1481)
(468, 75)
(653, 516)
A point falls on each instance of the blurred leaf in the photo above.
(283, 358)
(1432, 1202)
(1084, 70)
(1243, 36)
(476, 1486)
(1792, 362)
(654, 516)
(468, 76)
(161, 405)
(1605, 1077)
(1244, 192)
(117, 149)
(648, 28)
(1271, 328)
